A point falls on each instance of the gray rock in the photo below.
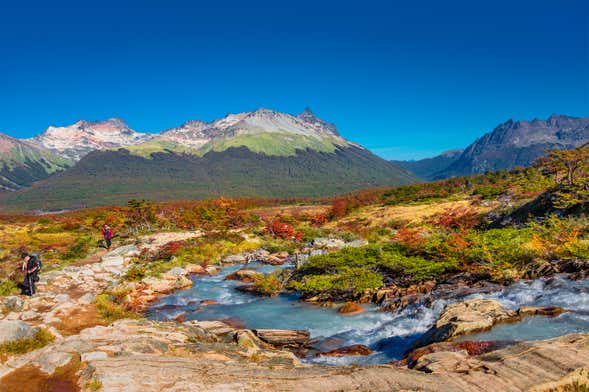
(14, 303)
(13, 330)
(234, 259)
(122, 251)
(62, 298)
(112, 261)
(51, 360)
(87, 299)
(94, 355)
(29, 315)
(328, 243)
(356, 243)
(176, 272)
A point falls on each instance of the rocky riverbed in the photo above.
(200, 355)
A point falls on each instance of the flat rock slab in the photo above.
(465, 318)
(283, 337)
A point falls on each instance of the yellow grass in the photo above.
(378, 216)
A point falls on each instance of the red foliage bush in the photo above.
(319, 219)
(462, 218)
(412, 238)
(283, 230)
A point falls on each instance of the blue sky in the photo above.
(405, 79)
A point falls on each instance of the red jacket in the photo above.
(107, 234)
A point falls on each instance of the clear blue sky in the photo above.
(407, 79)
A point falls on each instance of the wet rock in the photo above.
(245, 275)
(234, 322)
(212, 270)
(354, 350)
(195, 269)
(284, 337)
(275, 259)
(207, 302)
(13, 330)
(350, 308)
(541, 311)
(467, 317)
(471, 347)
(235, 259)
(13, 303)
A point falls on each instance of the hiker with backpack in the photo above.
(107, 234)
(31, 266)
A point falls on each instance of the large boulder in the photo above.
(245, 275)
(466, 317)
(13, 330)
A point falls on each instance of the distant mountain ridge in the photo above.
(511, 144)
(250, 129)
(22, 163)
(263, 153)
(427, 168)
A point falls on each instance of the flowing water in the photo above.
(389, 334)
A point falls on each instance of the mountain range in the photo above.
(511, 144)
(263, 153)
(260, 153)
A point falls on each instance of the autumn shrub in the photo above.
(109, 310)
(459, 218)
(283, 230)
(412, 238)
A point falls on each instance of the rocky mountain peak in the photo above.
(76, 140)
(309, 117)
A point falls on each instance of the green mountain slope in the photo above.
(114, 177)
(21, 163)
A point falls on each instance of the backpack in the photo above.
(37, 256)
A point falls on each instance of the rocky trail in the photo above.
(144, 355)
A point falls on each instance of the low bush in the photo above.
(109, 310)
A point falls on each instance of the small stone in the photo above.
(350, 308)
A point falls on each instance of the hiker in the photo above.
(31, 266)
(107, 234)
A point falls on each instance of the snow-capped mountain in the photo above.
(77, 140)
(261, 121)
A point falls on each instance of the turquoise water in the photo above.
(389, 334)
